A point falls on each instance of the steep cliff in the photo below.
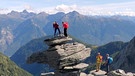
(125, 59)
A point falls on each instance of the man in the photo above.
(107, 63)
(65, 26)
(56, 27)
(98, 62)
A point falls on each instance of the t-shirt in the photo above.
(55, 25)
(99, 58)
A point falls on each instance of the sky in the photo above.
(86, 7)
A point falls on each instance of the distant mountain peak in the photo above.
(43, 13)
(134, 38)
(13, 13)
(74, 12)
(25, 11)
(60, 13)
(23, 15)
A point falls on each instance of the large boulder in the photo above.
(48, 74)
(64, 55)
(57, 40)
(99, 73)
(119, 72)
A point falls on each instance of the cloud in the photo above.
(126, 8)
(4, 10)
(59, 8)
(109, 9)
(106, 9)
(29, 8)
(65, 8)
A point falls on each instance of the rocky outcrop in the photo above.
(117, 72)
(47, 74)
(99, 73)
(64, 55)
(120, 72)
(125, 59)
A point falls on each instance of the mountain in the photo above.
(130, 18)
(13, 19)
(125, 59)
(96, 30)
(99, 30)
(37, 45)
(25, 51)
(9, 68)
(25, 32)
(48, 28)
(41, 19)
(7, 25)
(111, 48)
(22, 15)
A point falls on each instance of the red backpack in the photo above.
(65, 25)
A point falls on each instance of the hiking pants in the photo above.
(55, 30)
(107, 68)
(65, 32)
(98, 65)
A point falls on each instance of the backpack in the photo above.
(101, 58)
(110, 60)
(66, 25)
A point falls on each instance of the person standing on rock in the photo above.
(56, 27)
(65, 26)
(98, 61)
(108, 61)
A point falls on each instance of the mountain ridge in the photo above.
(96, 30)
(9, 68)
(125, 59)
(22, 53)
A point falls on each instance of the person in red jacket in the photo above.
(65, 26)
(56, 27)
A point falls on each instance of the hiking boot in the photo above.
(106, 73)
(96, 70)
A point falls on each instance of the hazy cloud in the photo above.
(65, 8)
(126, 8)
(4, 10)
(106, 9)
(29, 8)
